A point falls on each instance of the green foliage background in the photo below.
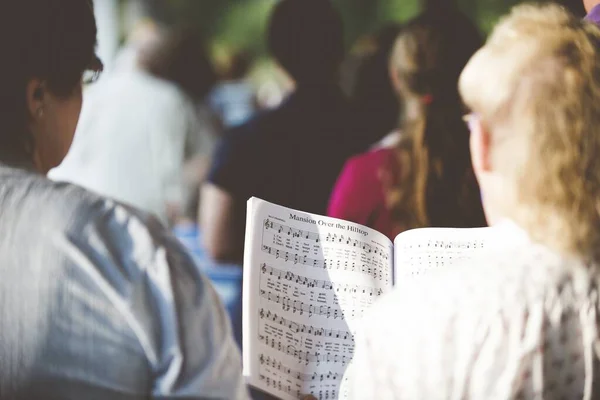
(241, 23)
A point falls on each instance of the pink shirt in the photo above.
(358, 193)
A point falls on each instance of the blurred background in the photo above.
(237, 26)
(241, 81)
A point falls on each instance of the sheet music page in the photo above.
(308, 280)
(420, 251)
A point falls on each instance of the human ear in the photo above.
(480, 143)
(396, 83)
(35, 93)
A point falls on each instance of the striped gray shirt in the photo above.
(99, 301)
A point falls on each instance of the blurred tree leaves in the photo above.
(244, 26)
(240, 24)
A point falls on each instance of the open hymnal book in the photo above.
(308, 281)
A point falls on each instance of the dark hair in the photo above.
(378, 106)
(438, 186)
(182, 58)
(306, 38)
(53, 41)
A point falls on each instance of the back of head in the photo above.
(373, 92)
(432, 50)
(437, 186)
(306, 38)
(52, 41)
(182, 58)
(541, 109)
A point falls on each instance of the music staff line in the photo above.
(317, 283)
(293, 232)
(302, 328)
(276, 384)
(447, 245)
(321, 377)
(330, 238)
(297, 306)
(304, 356)
(322, 264)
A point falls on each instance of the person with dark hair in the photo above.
(181, 57)
(290, 155)
(97, 300)
(426, 178)
(311, 56)
(376, 101)
(141, 125)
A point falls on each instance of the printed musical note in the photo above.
(293, 232)
(447, 245)
(321, 376)
(304, 356)
(420, 258)
(308, 286)
(335, 238)
(297, 306)
(330, 238)
(287, 388)
(302, 328)
(316, 283)
(276, 384)
(323, 264)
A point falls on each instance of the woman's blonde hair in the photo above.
(437, 186)
(535, 85)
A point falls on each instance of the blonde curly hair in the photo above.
(535, 85)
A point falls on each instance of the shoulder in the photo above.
(369, 165)
(94, 240)
(77, 219)
(358, 189)
(476, 292)
(254, 134)
(451, 326)
(135, 281)
(389, 141)
(373, 158)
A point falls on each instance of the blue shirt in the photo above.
(289, 156)
(98, 301)
(234, 102)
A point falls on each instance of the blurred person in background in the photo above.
(520, 322)
(291, 155)
(234, 98)
(140, 125)
(97, 300)
(378, 105)
(144, 36)
(423, 176)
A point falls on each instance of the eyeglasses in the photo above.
(90, 76)
(469, 119)
(93, 72)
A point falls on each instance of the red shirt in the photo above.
(358, 195)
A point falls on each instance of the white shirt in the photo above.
(130, 141)
(518, 324)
